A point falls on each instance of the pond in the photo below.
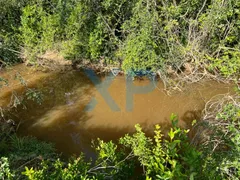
(77, 108)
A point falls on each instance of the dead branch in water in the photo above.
(213, 128)
(176, 80)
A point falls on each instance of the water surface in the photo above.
(62, 117)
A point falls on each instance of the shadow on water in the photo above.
(62, 118)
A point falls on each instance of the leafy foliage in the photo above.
(168, 158)
(164, 159)
(22, 151)
(219, 138)
(34, 95)
(136, 155)
(138, 34)
(5, 172)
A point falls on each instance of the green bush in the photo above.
(137, 34)
(219, 138)
(168, 158)
(21, 152)
(5, 172)
(137, 155)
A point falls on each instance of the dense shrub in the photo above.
(219, 139)
(138, 34)
(140, 157)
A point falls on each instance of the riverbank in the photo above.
(57, 107)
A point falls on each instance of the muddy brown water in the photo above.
(66, 118)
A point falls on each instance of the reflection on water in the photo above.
(62, 118)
